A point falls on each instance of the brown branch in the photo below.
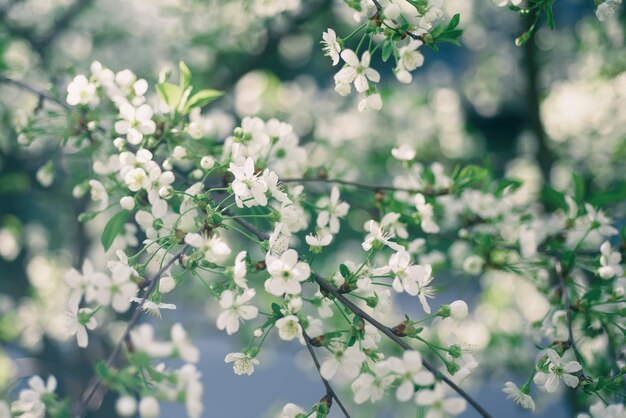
(373, 187)
(558, 267)
(153, 280)
(329, 390)
(42, 94)
(382, 328)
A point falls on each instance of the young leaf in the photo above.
(202, 98)
(387, 50)
(113, 228)
(169, 93)
(185, 75)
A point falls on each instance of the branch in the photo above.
(93, 388)
(382, 328)
(329, 390)
(42, 94)
(558, 267)
(379, 9)
(545, 156)
(374, 187)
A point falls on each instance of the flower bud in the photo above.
(166, 192)
(166, 284)
(126, 406)
(149, 407)
(258, 332)
(119, 143)
(195, 130)
(458, 310)
(127, 203)
(179, 153)
(207, 162)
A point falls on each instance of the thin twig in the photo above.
(379, 9)
(558, 267)
(329, 390)
(42, 94)
(381, 327)
(93, 388)
(374, 187)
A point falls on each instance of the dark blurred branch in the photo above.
(242, 67)
(373, 187)
(153, 282)
(42, 43)
(42, 94)
(545, 156)
(329, 390)
(558, 267)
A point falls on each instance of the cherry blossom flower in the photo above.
(291, 410)
(413, 279)
(135, 123)
(235, 310)
(378, 236)
(357, 71)
(242, 363)
(117, 289)
(440, 405)
(248, 187)
(182, 345)
(81, 92)
(331, 47)
(557, 370)
(30, 402)
(346, 360)
(370, 386)
(213, 247)
(410, 59)
(78, 322)
(289, 327)
(518, 396)
(411, 373)
(286, 273)
(600, 410)
(332, 210)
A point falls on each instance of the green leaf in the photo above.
(113, 228)
(185, 75)
(344, 270)
(553, 199)
(169, 93)
(276, 309)
(550, 17)
(387, 51)
(102, 370)
(202, 98)
(507, 185)
(454, 22)
(579, 188)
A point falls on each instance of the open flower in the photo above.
(332, 210)
(518, 396)
(331, 47)
(81, 91)
(345, 360)
(557, 370)
(289, 327)
(411, 373)
(357, 71)
(235, 310)
(413, 279)
(286, 273)
(242, 363)
(440, 405)
(78, 322)
(248, 187)
(30, 402)
(135, 123)
(214, 247)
